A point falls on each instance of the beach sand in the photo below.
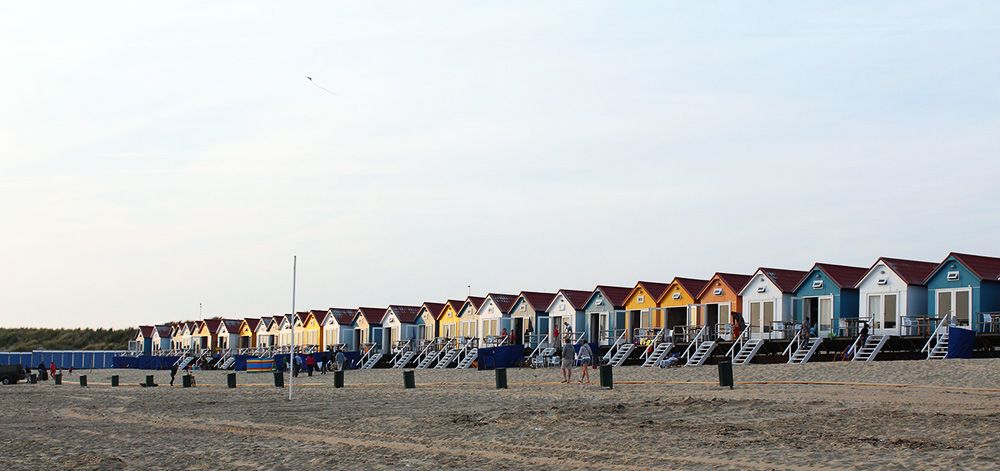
(890, 415)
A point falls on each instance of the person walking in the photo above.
(341, 360)
(586, 359)
(52, 368)
(173, 373)
(568, 358)
(310, 364)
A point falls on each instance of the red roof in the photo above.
(615, 294)
(232, 325)
(212, 324)
(475, 301)
(913, 272)
(785, 280)
(504, 302)
(163, 331)
(538, 301)
(405, 314)
(693, 286)
(734, 281)
(986, 268)
(372, 314)
(277, 319)
(320, 315)
(577, 298)
(842, 275)
(455, 304)
(342, 315)
(303, 316)
(252, 323)
(146, 331)
(655, 289)
(435, 309)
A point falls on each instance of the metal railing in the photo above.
(615, 346)
(739, 341)
(938, 333)
(795, 340)
(693, 346)
(648, 339)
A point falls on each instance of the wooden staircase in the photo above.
(748, 351)
(702, 353)
(873, 345)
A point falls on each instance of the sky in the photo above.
(157, 156)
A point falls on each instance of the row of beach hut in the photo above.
(893, 297)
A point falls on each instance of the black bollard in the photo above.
(83, 381)
(408, 380)
(338, 379)
(187, 381)
(58, 378)
(231, 380)
(607, 378)
(114, 381)
(279, 379)
(726, 374)
(33, 379)
(149, 382)
(501, 378)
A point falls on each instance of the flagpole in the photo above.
(291, 351)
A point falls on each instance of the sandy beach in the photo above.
(891, 415)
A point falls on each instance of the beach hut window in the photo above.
(761, 289)
(640, 299)
(599, 302)
(953, 276)
(523, 307)
(717, 291)
(562, 306)
(676, 296)
(883, 281)
(817, 284)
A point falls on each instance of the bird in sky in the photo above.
(318, 85)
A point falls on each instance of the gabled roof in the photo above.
(277, 320)
(212, 324)
(265, 323)
(163, 331)
(252, 323)
(455, 304)
(146, 331)
(692, 286)
(232, 325)
(986, 268)
(373, 315)
(734, 281)
(576, 298)
(405, 314)
(303, 316)
(504, 302)
(475, 301)
(655, 289)
(538, 301)
(436, 309)
(616, 295)
(844, 276)
(912, 272)
(343, 316)
(320, 315)
(192, 325)
(785, 280)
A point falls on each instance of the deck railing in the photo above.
(939, 331)
(738, 343)
(693, 346)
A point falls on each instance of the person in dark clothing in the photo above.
(173, 373)
(42, 374)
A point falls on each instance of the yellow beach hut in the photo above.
(641, 314)
(677, 304)
(248, 332)
(468, 319)
(447, 322)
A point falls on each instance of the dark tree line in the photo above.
(26, 340)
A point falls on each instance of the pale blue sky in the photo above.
(156, 156)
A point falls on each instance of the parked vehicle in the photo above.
(11, 374)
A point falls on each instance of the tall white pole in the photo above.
(291, 351)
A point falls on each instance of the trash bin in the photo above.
(338, 379)
(279, 379)
(409, 382)
(58, 378)
(607, 378)
(726, 374)
(114, 381)
(149, 381)
(231, 380)
(83, 381)
(501, 378)
(187, 381)
(33, 379)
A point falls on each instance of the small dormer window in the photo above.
(523, 307)
(640, 299)
(817, 284)
(599, 301)
(676, 296)
(562, 306)
(717, 291)
(882, 281)
(761, 289)
(953, 276)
